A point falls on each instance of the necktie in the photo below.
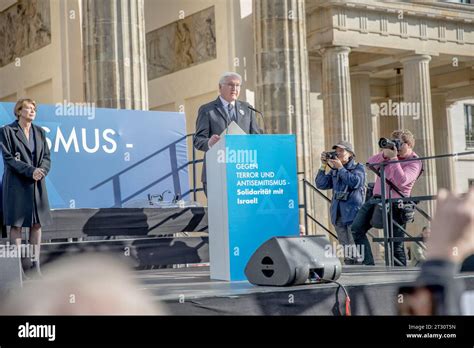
(230, 109)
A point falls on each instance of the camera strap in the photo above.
(391, 184)
(346, 189)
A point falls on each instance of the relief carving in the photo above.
(24, 27)
(181, 44)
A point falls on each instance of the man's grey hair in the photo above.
(228, 74)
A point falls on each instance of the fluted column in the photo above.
(282, 73)
(365, 126)
(417, 91)
(387, 124)
(442, 140)
(317, 108)
(115, 54)
(321, 207)
(337, 95)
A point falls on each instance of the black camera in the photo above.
(331, 155)
(385, 143)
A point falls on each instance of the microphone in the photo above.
(258, 112)
(253, 109)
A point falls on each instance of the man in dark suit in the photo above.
(216, 116)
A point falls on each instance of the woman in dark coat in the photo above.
(27, 161)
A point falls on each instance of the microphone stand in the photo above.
(261, 115)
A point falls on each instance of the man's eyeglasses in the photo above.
(231, 85)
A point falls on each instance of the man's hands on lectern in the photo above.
(212, 140)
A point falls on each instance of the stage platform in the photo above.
(157, 239)
(190, 291)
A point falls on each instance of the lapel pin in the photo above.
(241, 112)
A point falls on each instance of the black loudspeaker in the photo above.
(284, 261)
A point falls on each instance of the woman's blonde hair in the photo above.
(405, 135)
(20, 104)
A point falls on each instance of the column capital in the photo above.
(415, 58)
(358, 71)
(335, 49)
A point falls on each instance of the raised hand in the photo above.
(452, 229)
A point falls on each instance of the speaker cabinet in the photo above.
(286, 261)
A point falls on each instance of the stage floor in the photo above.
(190, 291)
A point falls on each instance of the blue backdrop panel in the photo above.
(263, 199)
(107, 157)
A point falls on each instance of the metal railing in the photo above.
(387, 217)
(308, 216)
(193, 163)
(387, 205)
(387, 213)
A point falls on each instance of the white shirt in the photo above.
(226, 105)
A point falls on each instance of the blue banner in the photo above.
(262, 194)
(103, 158)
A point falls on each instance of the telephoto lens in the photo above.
(385, 143)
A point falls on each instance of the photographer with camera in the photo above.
(346, 178)
(402, 177)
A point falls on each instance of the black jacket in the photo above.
(212, 119)
(19, 187)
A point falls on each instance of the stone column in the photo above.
(282, 73)
(365, 126)
(337, 95)
(366, 132)
(115, 54)
(388, 121)
(321, 207)
(387, 124)
(443, 141)
(317, 108)
(417, 92)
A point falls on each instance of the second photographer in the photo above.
(402, 176)
(346, 178)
